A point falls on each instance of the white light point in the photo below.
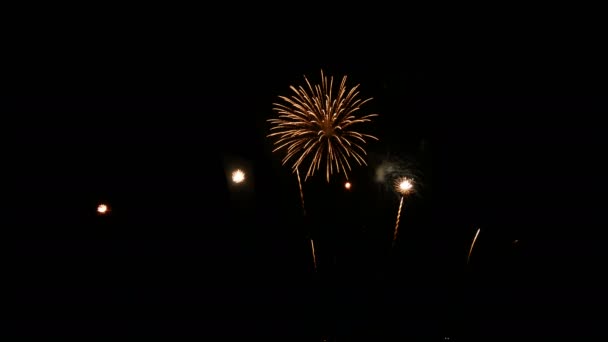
(238, 176)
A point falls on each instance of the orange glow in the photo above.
(347, 185)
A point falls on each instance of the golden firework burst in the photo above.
(316, 124)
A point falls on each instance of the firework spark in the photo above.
(403, 186)
(398, 216)
(472, 245)
(301, 192)
(390, 169)
(316, 125)
(314, 254)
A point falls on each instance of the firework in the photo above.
(301, 193)
(316, 125)
(102, 209)
(403, 186)
(314, 254)
(473, 244)
(238, 176)
(390, 168)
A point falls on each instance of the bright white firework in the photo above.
(404, 185)
(102, 209)
(390, 168)
(238, 176)
(316, 125)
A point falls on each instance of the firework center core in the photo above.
(327, 128)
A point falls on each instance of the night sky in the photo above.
(503, 135)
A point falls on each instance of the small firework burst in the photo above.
(404, 185)
(103, 209)
(238, 176)
(390, 169)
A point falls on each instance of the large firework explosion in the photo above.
(316, 124)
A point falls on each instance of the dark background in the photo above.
(502, 128)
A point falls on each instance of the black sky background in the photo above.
(504, 129)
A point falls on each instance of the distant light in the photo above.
(102, 209)
(238, 176)
(347, 185)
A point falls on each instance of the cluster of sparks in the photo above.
(404, 185)
(316, 124)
